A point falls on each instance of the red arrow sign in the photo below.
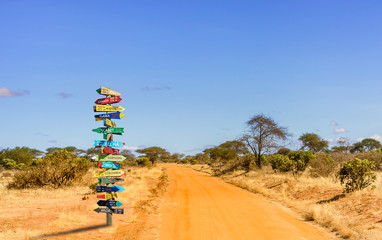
(108, 100)
(110, 150)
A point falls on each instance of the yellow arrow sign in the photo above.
(109, 173)
(106, 108)
(109, 123)
(107, 91)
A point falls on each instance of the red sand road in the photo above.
(197, 206)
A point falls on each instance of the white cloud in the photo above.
(333, 123)
(376, 137)
(329, 140)
(6, 92)
(131, 148)
(340, 130)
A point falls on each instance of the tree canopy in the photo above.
(366, 144)
(263, 135)
(313, 142)
(154, 153)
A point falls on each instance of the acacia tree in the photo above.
(154, 153)
(344, 145)
(313, 142)
(263, 135)
(366, 144)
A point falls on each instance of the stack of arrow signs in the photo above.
(110, 154)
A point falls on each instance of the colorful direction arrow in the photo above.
(110, 150)
(107, 196)
(115, 115)
(106, 108)
(109, 203)
(110, 189)
(109, 173)
(103, 143)
(109, 210)
(108, 100)
(107, 91)
(109, 130)
(109, 165)
(109, 123)
(109, 180)
(110, 158)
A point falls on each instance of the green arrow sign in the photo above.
(108, 130)
(110, 158)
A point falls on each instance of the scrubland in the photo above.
(352, 216)
(67, 213)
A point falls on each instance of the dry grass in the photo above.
(35, 212)
(352, 216)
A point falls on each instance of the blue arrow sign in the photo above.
(110, 189)
(104, 143)
(116, 115)
(109, 203)
(109, 165)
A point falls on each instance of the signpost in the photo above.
(110, 158)
(109, 203)
(110, 189)
(107, 196)
(115, 115)
(109, 130)
(109, 210)
(106, 108)
(104, 180)
(108, 100)
(109, 165)
(109, 173)
(103, 143)
(109, 146)
(107, 91)
(110, 150)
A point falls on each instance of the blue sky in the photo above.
(191, 73)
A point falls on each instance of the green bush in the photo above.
(9, 163)
(357, 174)
(283, 151)
(12, 164)
(144, 162)
(322, 166)
(295, 161)
(56, 169)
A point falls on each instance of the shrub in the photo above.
(12, 164)
(357, 174)
(295, 161)
(283, 151)
(56, 169)
(144, 162)
(9, 163)
(322, 166)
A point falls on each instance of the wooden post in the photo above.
(109, 216)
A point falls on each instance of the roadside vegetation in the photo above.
(338, 187)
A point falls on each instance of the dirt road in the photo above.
(197, 206)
